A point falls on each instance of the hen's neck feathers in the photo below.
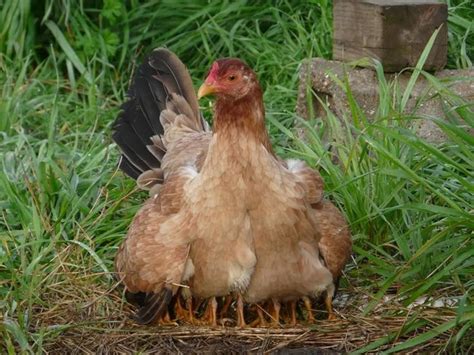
(243, 118)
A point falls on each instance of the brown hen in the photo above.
(225, 214)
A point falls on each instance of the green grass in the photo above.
(64, 70)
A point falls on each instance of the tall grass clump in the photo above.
(409, 201)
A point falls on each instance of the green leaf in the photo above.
(428, 335)
(68, 51)
(419, 66)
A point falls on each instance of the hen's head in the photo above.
(230, 78)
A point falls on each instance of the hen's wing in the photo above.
(310, 179)
(335, 243)
(153, 258)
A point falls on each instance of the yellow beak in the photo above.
(206, 89)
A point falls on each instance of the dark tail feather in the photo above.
(135, 298)
(128, 168)
(134, 150)
(161, 75)
(175, 77)
(153, 305)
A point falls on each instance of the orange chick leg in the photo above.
(213, 311)
(226, 305)
(309, 310)
(261, 316)
(292, 305)
(276, 313)
(189, 306)
(166, 319)
(181, 312)
(289, 316)
(260, 321)
(240, 312)
(328, 303)
(210, 315)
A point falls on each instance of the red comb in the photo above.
(213, 72)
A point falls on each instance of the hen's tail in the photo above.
(161, 90)
(151, 306)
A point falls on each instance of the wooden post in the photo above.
(393, 31)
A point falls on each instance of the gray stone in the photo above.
(318, 74)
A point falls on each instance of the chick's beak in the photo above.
(206, 89)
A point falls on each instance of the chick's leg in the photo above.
(328, 303)
(276, 313)
(240, 312)
(210, 314)
(292, 305)
(181, 312)
(213, 305)
(260, 321)
(261, 316)
(225, 307)
(289, 315)
(309, 310)
(166, 320)
(185, 313)
(331, 314)
(189, 306)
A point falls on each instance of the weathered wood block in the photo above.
(393, 31)
(316, 79)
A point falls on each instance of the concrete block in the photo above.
(424, 100)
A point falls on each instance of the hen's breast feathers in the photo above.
(242, 183)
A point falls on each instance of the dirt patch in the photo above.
(97, 320)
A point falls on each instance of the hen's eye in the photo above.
(232, 77)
